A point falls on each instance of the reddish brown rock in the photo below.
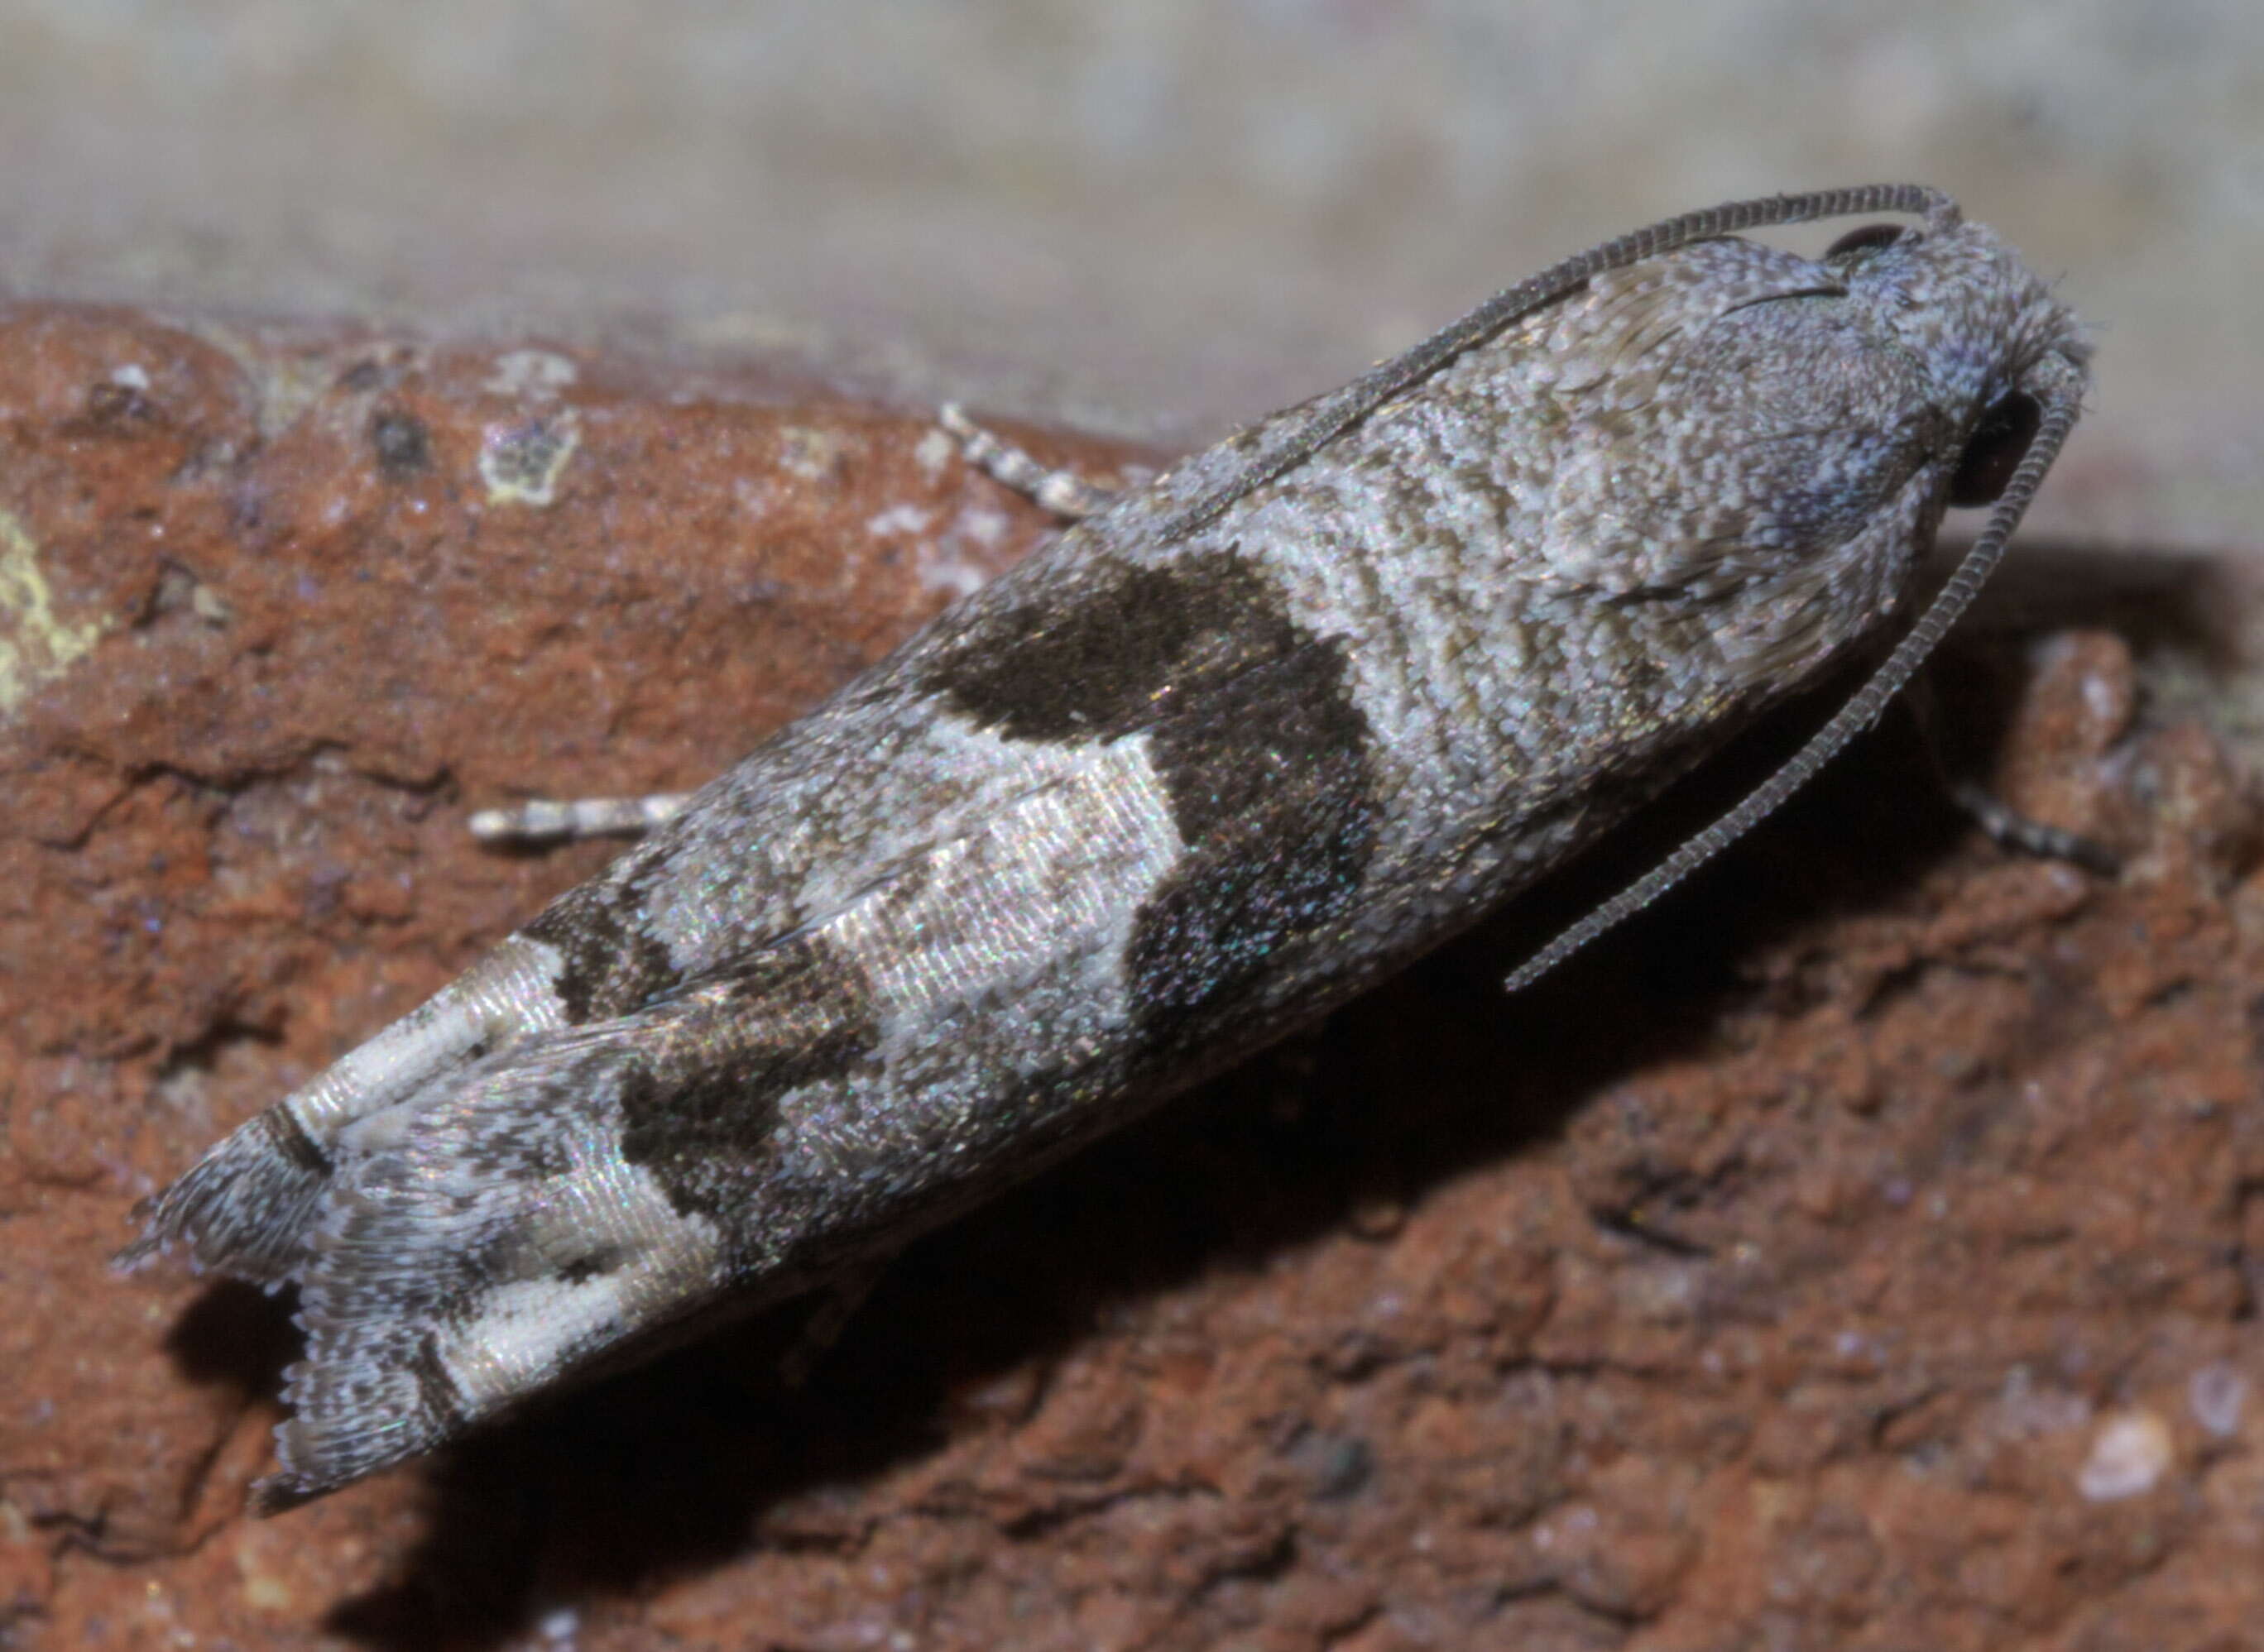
(1861, 1251)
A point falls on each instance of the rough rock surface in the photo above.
(1864, 1251)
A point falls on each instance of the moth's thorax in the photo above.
(1658, 504)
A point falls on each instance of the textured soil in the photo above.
(1862, 1250)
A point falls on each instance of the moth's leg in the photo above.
(2017, 831)
(2009, 828)
(540, 820)
(1063, 492)
(837, 1302)
(544, 820)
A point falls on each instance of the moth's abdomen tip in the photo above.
(299, 1478)
(280, 1493)
(165, 1219)
(350, 1417)
(133, 1258)
(290, 1484)
(242, 1210)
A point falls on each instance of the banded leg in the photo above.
(541, 820)
(2024, 835)
(1063, 492)
(547, 820)
(2006, 826)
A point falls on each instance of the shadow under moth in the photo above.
(1235, 745)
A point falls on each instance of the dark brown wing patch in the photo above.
(1256, 735)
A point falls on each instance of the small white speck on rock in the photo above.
(2217, 1392)
(2128, 1457)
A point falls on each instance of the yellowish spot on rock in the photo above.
(36, 646)
(521, 462)
(809, 452)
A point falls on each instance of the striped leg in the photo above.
(546, 820)
(1063, 492)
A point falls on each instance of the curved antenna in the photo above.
(2061, 395)
(1329, 417)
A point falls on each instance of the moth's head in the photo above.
(1964, 375)
(1774, 436)
(2000, 344)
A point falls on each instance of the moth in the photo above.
(1227, 751)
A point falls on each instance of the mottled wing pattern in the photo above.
(1220, 756)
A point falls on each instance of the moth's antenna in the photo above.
(2060, 393)
(1326, 418)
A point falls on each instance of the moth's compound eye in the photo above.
(1869, 237)
(1993, 451)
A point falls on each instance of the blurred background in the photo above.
(1155, 217)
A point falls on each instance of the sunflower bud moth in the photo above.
(1242, 740)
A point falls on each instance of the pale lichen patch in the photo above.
(810, 452)
(898, 521)
(36, 646)
(521, 463)
(936, 450)
(535, 375)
